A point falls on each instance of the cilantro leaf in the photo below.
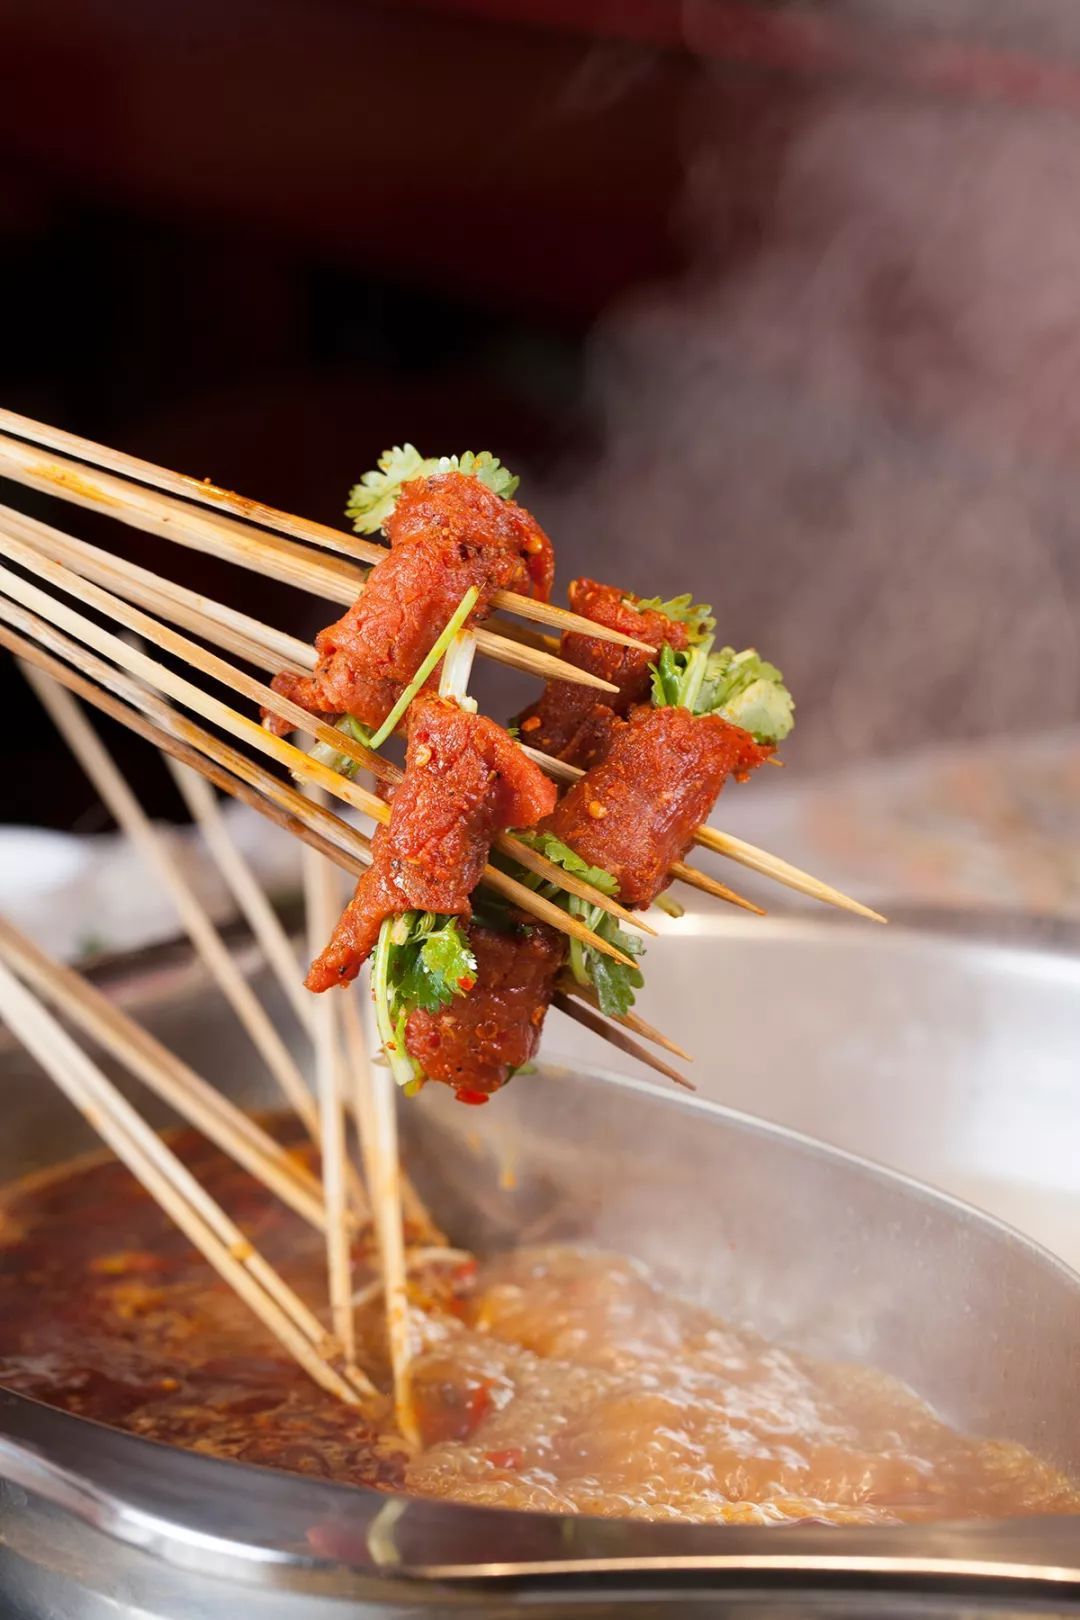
(430, 964)
(448, 961)
(372, 500)
(422, 960)
(614, 984)
(697, 616)
(553, 849)
(484, 466)
(740, 687)
(750, 692)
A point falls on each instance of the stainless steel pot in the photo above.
(945, 1046)
(806, 1243)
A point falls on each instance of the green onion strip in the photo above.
(391, 1032)
(464, 608)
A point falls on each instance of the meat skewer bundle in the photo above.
(448, 534)
(465, 1004)
(640, 708)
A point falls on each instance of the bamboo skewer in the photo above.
(708, 885)
(373, 1103)
(207, 1109)
(629, 1020)
(321, 902)
(257, 643)
(591, 1020)
(270, 517)
(542, 867)
(205, 937)
(210, 664)
(244, 886)
(202, 771)
(269, 648)
(196, 748)
(781, 871)
(415, 1258)
(179, 737)
(168, 1181)
(108, 781)
(328, 577)
(258, 693)
(294, 759)
(214, 762)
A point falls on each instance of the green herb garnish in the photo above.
(422, 960)
(697, 616)
(740, 687)
(454, 624)
(553, 849)
(344, 764)
(614, 984)
(749, 692)
(373, 499)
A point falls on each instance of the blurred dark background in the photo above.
(774, 302)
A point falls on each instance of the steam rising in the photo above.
(860, 435)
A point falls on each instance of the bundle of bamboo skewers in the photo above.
(69, 655)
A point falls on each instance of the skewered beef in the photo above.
(638, 810)
(465, 781)
(447, 533)
(477, 1042)
(569, 721)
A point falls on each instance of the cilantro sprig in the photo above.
(697, 616)
(739, 686)
(373, 499)
(613, 982)
(422, 960)
(554, 850)
(748, 691)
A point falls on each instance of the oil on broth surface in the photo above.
(546, 1378)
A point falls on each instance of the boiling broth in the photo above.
(548, 1378)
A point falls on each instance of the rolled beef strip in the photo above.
(447, 533)
(637, 811)
(477, 1042)
(569, 721)
(465, 781)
